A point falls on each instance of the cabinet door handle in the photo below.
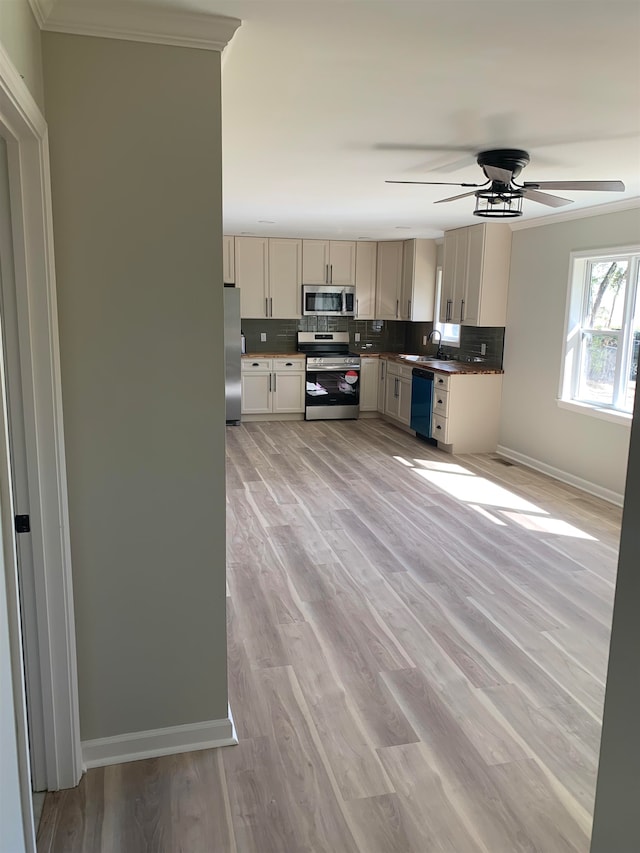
(449, 307)
(289, 364)
(270, 383)
(256, 364)
(382, 377)
(266, 306)
(357, 312)
(409, 310)
(275, 378)
(461, 310)
(330, 273)
(326, 273)
(397, 307)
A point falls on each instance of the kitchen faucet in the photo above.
(439, 351)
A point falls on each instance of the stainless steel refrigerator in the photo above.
(232, 351)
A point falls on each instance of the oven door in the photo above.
(332, 392)
(328, 300)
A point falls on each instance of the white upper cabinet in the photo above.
(476, 275)
(252, 275)
(454, 275)
(269, 275)
(389, 280)
(417, 295)
(329, 262)
(285, 278)
(489, 257)
(228, 260)
(366, 263)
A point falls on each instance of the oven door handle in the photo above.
(339, 368)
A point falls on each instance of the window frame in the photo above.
(580, 262)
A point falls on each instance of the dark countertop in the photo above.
(437, 365)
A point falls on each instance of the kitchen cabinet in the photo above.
(487, 281)
(269, 275)
(382, 384)
(369, 384)
(272, 386)
(252, 275)
(454, 274)
(389, 280)
(366, 265)
(417, 293)
(285, 278)
(228, 260)
(329, 262)
(398, 392)
(466, 411)
(475, 277)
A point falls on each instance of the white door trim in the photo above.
(25, 130)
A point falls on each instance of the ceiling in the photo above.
(311, 88)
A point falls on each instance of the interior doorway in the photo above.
(19, 487)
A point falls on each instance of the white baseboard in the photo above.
(155, 742)
(563, 476)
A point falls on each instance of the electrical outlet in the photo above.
(263, 337)
(483, 349)
(356, 337)
(424, 340)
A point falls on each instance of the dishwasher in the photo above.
(421, 402)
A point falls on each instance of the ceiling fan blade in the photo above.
(399, 146)
(496, 174)
(604, 186)
(453, 198)
(546, 198)
(436, 183)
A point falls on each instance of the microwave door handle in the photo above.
(344, 302)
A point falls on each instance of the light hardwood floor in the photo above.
(417, 657)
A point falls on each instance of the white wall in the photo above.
(531, 421)
(20, 37)
(136, 181)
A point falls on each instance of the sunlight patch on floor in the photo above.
(482, 495)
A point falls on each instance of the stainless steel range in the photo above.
(332, 376)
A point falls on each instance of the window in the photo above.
(603, 331)
(450, 332)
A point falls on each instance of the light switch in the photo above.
(356, 337)
(263, 337)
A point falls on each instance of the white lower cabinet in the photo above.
(398, 392)
(466, 411)
(369, 384)
(273, 386)
(382, 384)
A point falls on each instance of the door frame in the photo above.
(24, 128)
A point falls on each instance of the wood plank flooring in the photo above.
(417, 658)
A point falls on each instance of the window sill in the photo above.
(615, 417)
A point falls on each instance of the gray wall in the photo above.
(136, 180)
(531, 421)
(20, 37)
(616, 828)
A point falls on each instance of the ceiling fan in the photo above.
(500, 196)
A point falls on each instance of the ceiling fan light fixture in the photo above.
(491, 204)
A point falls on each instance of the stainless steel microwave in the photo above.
(329, 300)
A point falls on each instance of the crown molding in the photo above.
(41, 10)
(134, 22)
(580, 213)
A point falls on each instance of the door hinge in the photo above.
(23, 524)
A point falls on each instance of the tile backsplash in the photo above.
(376, 336)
